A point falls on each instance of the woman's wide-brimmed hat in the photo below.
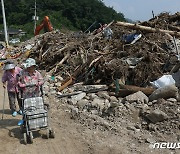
(9, 65)
(29, 62)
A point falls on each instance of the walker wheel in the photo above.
(31, 137)
(51, 133)
(47, 133)
(25, 138)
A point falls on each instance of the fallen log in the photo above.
(148, 29)
(132, 89)
(174, 28)
(122, 93)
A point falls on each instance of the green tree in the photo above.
(71, 14)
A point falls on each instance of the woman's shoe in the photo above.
(14, 114)
(20, 122)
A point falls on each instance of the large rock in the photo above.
(52, 90)
(173, 100)
(106, 104)
(58, 84)
(82, 103)
(98, 103)
(78, 97)
(137, 97)
(103, 94)
(165, 92)
(113, 99)
(74, 112)
(114, 104)
(59, 78)
(92, 96)
(72, 101)
(46, 89)
(157, 116)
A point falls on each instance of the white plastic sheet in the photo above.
(163, 81)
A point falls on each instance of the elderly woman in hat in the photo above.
(9, 76)
(30, 80)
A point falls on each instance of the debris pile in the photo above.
(111, 77)
(105, 60)
(121, 80)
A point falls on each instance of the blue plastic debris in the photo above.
(131, 38)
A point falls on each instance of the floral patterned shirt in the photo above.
(30, 84)
(10, 78)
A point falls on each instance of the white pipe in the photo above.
(4, 22)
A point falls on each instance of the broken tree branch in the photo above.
(61, 62)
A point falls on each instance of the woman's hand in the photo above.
(21, 85)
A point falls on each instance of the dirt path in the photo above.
(70, 137)
(11, 140)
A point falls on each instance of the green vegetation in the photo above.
(69, 14)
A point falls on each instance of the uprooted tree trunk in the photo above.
(148, 29)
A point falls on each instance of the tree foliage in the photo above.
(72, 14)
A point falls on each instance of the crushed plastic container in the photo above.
(163, 81)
